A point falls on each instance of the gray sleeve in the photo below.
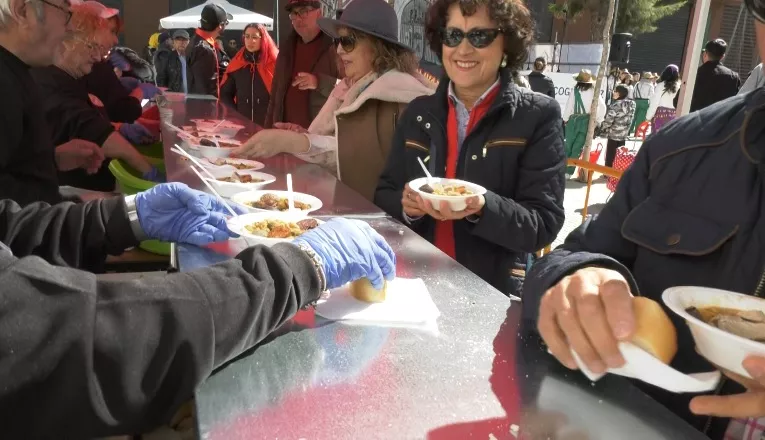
(754, 81)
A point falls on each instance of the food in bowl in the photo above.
(272, 228)
(447, 190)
(236, 164)
(240, 178)
(749, 324)
(272, 202)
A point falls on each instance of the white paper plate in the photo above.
(251, 196)
(252, 165)
(230, 189)
(237, 225)
(456, 203)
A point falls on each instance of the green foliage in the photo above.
(633, 16)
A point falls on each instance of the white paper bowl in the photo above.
(237, 225)
(212, 152)
(226, 128)
(718, 346)
(456, 203)
(251, 196)
(230, 189)
(251, 165)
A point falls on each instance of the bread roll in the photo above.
(654, 331)
(362, 290)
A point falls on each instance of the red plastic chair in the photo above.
(642, 129)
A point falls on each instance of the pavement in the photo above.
(573, 203)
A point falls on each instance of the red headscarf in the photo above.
(266, 62)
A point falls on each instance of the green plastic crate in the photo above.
(130, 182)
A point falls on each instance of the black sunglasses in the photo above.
(478, 38)
(756, 8)
(60, 8)
(348, 43)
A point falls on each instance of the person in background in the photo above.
(153, 44)
(481, 128)
(157, 338)
(306, 70)
(232, 48)
(642, 93)
(121, 105)
(352, 135)
(616, 126)
(246, 86)
(714, 81)
(131, 65)
(661, 108)
(204, 55)
(576, 114)
(72, 113)
(520, 80)
(611, 82)
(30, 34)
(626, 79)
(171, 64)
(540, 82)
(687, 212)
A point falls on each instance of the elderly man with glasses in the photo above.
(307, 70)
(30, 33)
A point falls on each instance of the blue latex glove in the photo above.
(137, 134)
(130, 83)
(174, 212)
(154, 175)
(149, 90)
(350, 250)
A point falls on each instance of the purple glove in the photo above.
(149, 90)
(154, 175)
(137, 134)
(130, 83)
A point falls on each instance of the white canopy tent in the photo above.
(190, 17)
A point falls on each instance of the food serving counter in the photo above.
(481, 372)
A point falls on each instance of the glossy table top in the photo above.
(480, 373)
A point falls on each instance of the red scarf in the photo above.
(207, 36)
(266, 62)
(444, 238)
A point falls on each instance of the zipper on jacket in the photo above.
(758, 293)
(252, 98)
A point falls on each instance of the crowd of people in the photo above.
(346, 94)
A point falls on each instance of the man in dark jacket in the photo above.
(88, 358)
(714, 82)
(306, 69)
(206, 59)
(170, 63)
(687, 212)
(540, 82)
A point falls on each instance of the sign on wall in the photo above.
(412, 29)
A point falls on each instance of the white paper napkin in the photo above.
(643, 366)
(407, 303)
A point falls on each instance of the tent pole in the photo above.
(276, 21)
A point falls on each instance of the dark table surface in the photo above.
(482, 373)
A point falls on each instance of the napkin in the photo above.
(643, 366)
(407, 304)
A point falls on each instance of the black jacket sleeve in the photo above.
(120, 106)
(598, 242)
(204, 71)
(12, 126)
(71, 117)
(550, 87)
(93, 358)
(228, 91)
(161, 59)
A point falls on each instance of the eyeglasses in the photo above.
(60, 8)
(300, 13)
(478, 38)
(756, 8)
(252, 37)
(347, 42)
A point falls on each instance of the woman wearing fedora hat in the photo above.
(481, 127)
(576, 114)
(352, 134)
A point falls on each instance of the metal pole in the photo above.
(692, 51)
(276, 21)
(616, 15)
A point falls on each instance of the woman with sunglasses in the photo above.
(482, 128)
(246, 85)
(73, 113)
(353, 132)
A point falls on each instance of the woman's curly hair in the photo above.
(512, 16)
(388, 56)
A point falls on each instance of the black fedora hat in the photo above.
(373, 17)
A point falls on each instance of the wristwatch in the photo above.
(135, 224)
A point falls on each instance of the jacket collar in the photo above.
(392, 86)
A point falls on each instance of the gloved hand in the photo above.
(149, 90)
(130, 83)
(350, 250)
(119, 61)
(174, 212)
(137, 134)
(154, 175)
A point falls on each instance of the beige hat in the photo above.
(648, 75)
(584, 76)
